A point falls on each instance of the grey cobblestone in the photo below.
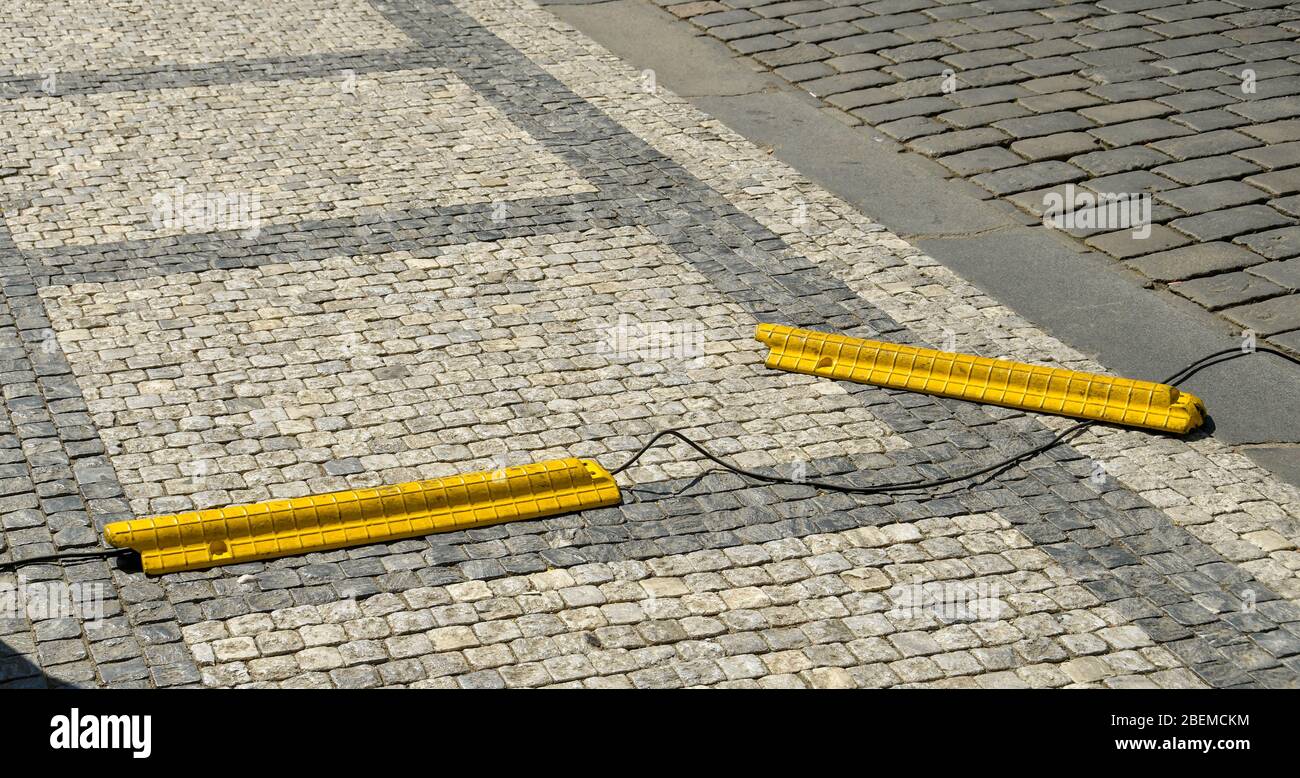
(1102, 88)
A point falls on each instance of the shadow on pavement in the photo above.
(18, 672)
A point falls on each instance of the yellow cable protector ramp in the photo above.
(243, 533)
(980, 379)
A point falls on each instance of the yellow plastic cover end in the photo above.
(244, 533)
(980, 379)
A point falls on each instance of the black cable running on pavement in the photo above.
(1182, 375)
(67, 556)
(1219, 357)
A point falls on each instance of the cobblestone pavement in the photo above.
(482, 240)
(1195, 103)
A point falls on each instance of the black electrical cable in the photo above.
(1235, 353)
(1226, 355)
(849, 488)
(69, 556)
(1182, 375)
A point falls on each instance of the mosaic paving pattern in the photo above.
(407, 338)
(57, 36)
(391, 368)
(377, 142)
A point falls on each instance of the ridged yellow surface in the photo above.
(979, 379)
(243, 533)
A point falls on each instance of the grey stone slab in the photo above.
(1274, 156)
(1196, 260)
(1059, 83)
(1288, 205)
(1205, 144)
(1122, 160)
(860, 98)
(1269, 317)
(978, 116)
(1059, 146)
(959, 141)
(1124, 72)
(1058, 101)
(1229, 223)
(846, 82)
(1268, 110)
(752, 29)
(982, 160)
(1275, 132)
(1289, 340)
(868, 42)
(1115, 113)
(1130, 183)
(1196, 100)
(917, 106)
(851, 63)
(1207, 169)
(1211, 197)
(1208, 121)
(723, 18)
(1278, 182)
(1274, 244)
(1126, 244)
(807, 71)
(793, 55)
(911, 128)
(1031, 176)
(1142, 131)
(1227, 289)
(1048, 66)
(1285, 273)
